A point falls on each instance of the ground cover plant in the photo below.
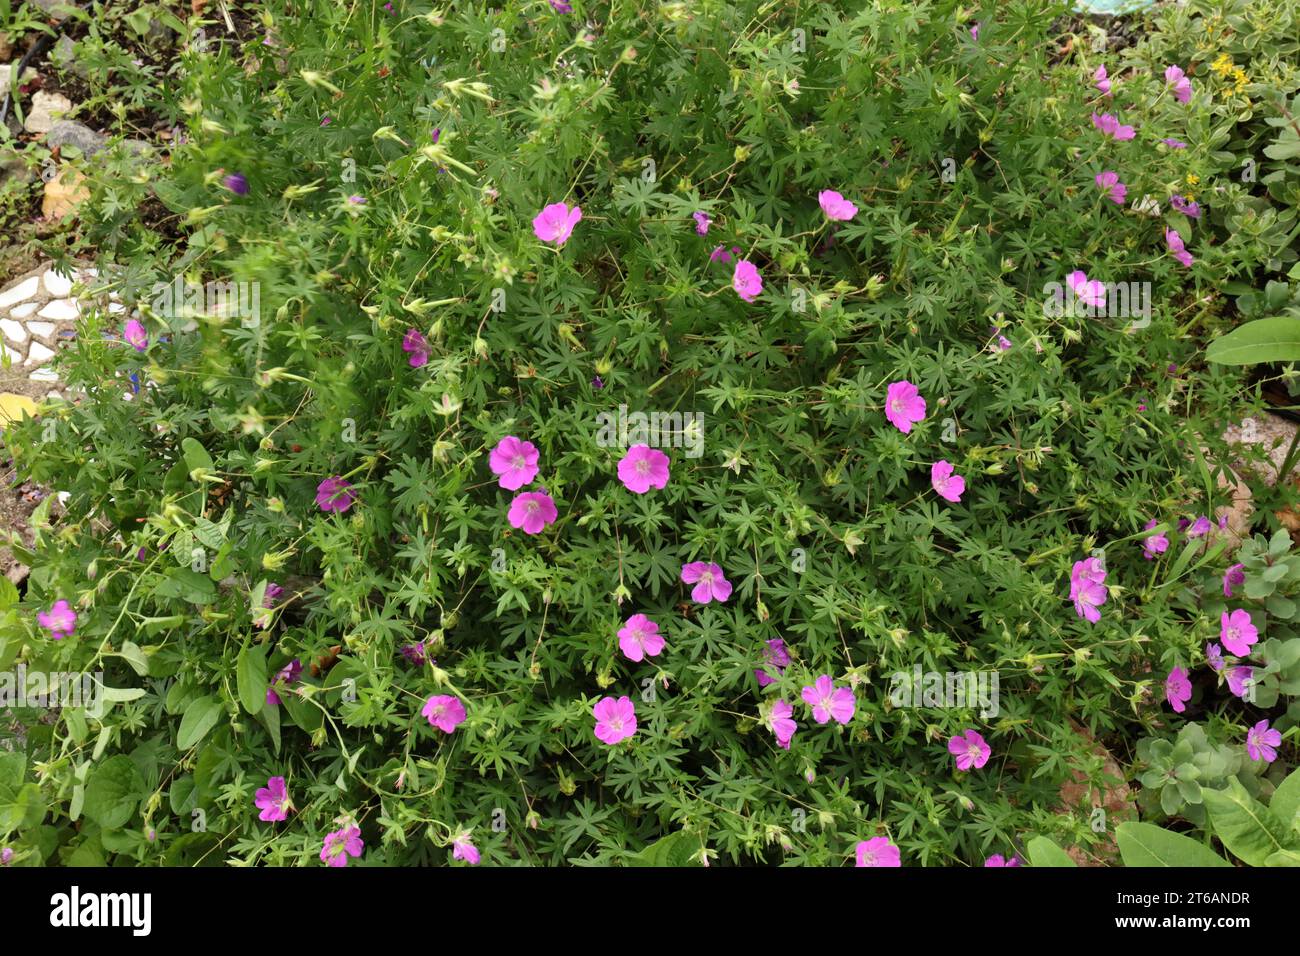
(713, 433)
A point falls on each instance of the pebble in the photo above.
(44, 375)
(46, 109)
(61, 310)
(39, 354)
(57, 284)
(24, 310)
(43, 329)
(13, 331)
(21, 292)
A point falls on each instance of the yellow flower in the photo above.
(1193, 179)
(1222, 65)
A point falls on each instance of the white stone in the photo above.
(7, 353)
(21, 292)
(116, 307)
(45, 110)
(61, 310)
(52, 394)
(13, 331)
(45, 375)
(43, 329)
(38, 354)
(24, 310)
(57, 284)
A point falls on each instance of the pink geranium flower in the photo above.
(555, 223)
(341, 844)
(444, 712)
(1262, 741)
(1154, 544)
(1175, 77)
(135, 335)
(463, 849)
(532, 511)
(1176, 247)
(720, 254)
(904, 405)
(877, 851)
(1091, 292)
(710, 583)
(334, 494)
(1115, 190)
(1178, 689)
(1237, 632)
(60, 620)
(829, 702)
(836, 206)
(615, 719)
(1174, 143)
(1200, 527)
(702, 223)
(1088, 588)
(416, 344)
(746, 280)
(1233, 577)
(1101, 81)
(273, 800)
(780, 721)
(514, 462)
(775, 656)
(970, 750)
(948, 486)
(997, 860)
(639, 638)
(285, 676)
(1214, 657)
(643, 468)
(1239, 680)
(1110, 126)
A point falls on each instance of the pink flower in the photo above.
(341, 844)
(970, 750)
(997, 860)
(1110, 126)
(1233, 577)
(514, 462)
(877, 851)
(774, 655)
(1115, 190)
(1176, 247)
(1261, 741)
(532, 511)
(135, 335)
(1100, 80)
(975, 32)
(60, 620)
(829, 702)
(780, 721)
(702, 223)
(1091, 293)
(1175, 77)
(416, 344)
(643, 468)
(555, 223)
(1200, 527)
(1214, 657)
(334, 494)
(1239, 680)
(1174, 143)
(1237, 632)
(286, 675)
(746, 280)
(444, 712)
(463, 849)
(720, 254)
(1088, 588)
(710, 583)
(948, 486)
(904, 405)
(1154, 544)
(639, 638)
(273, 800)
(836, 206)
(1178, 689)
(615, 719)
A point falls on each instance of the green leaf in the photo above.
(187, 585)
(196, 456)
(1144, 844)
(200, 716)
(1285, 804)
(1245, 826)
(1276, 339)
(135, 657)
(1045, 852)
(113, 792)
(675, 850)
(250, 676)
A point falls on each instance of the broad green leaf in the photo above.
(1144, 844)
(200, 716)
(1275, 339)
(1245, 826)
(113, 792)
(1045, 852)
(675, 850)
(250, 676)
(1285, 804)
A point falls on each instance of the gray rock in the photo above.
(58, 9)
(64, 56)
(71, 133)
